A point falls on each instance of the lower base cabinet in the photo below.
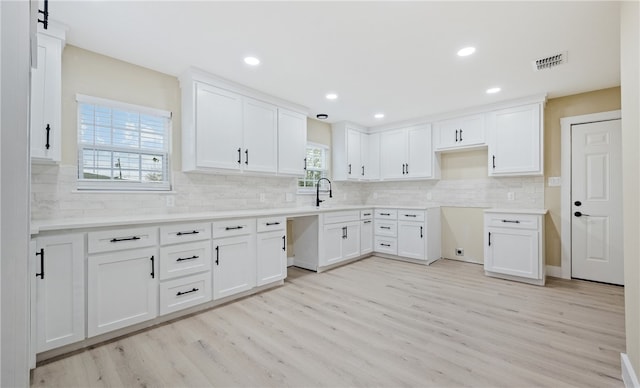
(188, 291)
(341, 242)
(234, 265)
(122, 289)
(411, 240)
(272, 257)
(366, 236)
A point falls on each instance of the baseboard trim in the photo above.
(554, 271)
(628, 374)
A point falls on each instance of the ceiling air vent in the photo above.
(550, 61)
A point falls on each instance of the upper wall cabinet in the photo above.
(225, 129)
(408, 154)
(460, 133)
(46, 96)
(355, 153)
(516, 138)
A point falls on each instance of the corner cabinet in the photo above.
(46, 96)
(514, 245)
(408, 154)
(516, 141)
(226, 130)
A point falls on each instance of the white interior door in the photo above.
(596, 200)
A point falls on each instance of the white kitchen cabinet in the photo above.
(370, 155)
(408, 154)
(514, 246)
(46, 97)
(460, 133)
(58, 266)
(292, 143)
(272, 257)
(226, 127)
(340, 238)
(350, 152)
(411, 240)
(181, 293)
(408, 233)
(260, 136)
(234, 265)
(516, 141)
(355, 167)
(122, 289)
(366, 231)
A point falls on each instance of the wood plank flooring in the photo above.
(376, 322)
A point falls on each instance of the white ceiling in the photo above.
(393, 57)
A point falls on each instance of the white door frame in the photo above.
(565, 189)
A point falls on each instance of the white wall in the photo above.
(14, 185)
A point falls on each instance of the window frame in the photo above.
(325, 171)
(88, 185)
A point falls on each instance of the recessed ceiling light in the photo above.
(493, 90)
(253, 61)
(379, 115)
(331, 96)
(466, 51)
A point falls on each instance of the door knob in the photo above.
(580, 214)
(577, 203)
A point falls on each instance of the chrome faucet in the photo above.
(318, 200)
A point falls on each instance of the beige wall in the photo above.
(630, 80)
(557, 108)
(85, 72)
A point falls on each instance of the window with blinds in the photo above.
(122, 146)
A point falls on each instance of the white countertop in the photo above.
(97, 222)
(518, 211)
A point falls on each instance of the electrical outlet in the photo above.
(263, 197)
(511, 196)
(170, 201)
(429, 196)
(375, 195)
(459, 251)
(288, 197)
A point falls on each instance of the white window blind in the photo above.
(316, 168)
(122, 146)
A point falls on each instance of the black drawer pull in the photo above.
(180, 293)
(185, 233)
(511, 221)
(421, 232)
(218, 255)
(272, 223)
(115, 240)
(385, 214)
(41, 254)
(153, 268)
(284, 243)
(385, 227)
(367, 214)
(48, 129)
(385, 245)
(188, 258)
(367, 222)
(411, 215)
(233, 227)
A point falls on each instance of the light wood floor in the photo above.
(375, 322)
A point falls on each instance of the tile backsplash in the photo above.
(54, 195)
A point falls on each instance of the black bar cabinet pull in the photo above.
(385, 214)
(407, 168)
(367, 214)
(460, 134)
(456, 135)
(410, 215)
(367, 222)
(403, 169)
(184, 233)
(239, 156)
(305, 164)
(489, 238)
(41, 254)
(246, 156)
(421, 234)
(48, 129)
(188, 258)
(284, 243)
(45, 14)
(511, 221)
(115, 240)
(385, 227)
(187, 292)
(349, 168)
(153, 268)
(217, 255)
(233, 227)
(494, 161)
(385, 245)
(272, 223)
(344, 232)
(362, 170)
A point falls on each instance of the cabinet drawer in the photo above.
(411, 215)
(366, 214)
(386, 214)
(267, 224)
(386, 228)
(118, 239)
(386, 245)
(185, 259)
(344, 216)
(235, 227)
(509, 220)
(185, 292)
(184, 233)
